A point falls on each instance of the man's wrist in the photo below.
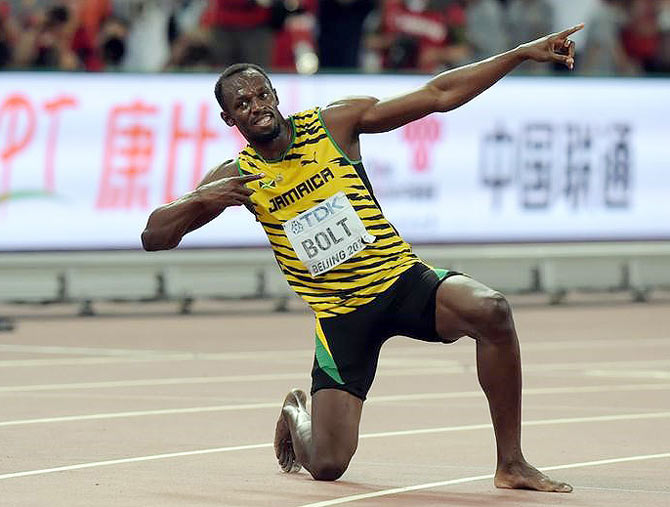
(198, 198)
(520, 53)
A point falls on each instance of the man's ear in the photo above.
(226, 118)
(276, 96)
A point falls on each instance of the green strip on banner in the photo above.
(26, 194)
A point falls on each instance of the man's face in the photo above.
(251, 105)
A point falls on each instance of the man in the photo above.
(303, 179)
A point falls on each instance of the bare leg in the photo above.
(323, 442)
(466, 307)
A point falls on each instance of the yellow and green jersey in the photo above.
(314, 175)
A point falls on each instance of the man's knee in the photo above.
(328, 469)
(494, 312)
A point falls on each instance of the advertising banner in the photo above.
(84, 159)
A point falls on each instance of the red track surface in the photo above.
(597, 381)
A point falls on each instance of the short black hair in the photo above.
(230, 71)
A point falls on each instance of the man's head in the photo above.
(249, 102)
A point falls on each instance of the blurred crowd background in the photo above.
(622, 37)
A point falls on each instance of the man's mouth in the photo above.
(264, 120)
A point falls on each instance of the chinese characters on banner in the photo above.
(96, 153)
(421, 137)
(130, 145)
(18, 122)
(129, 152)
(543, 164)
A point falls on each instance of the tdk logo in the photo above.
(320, 213)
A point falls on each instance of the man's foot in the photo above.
(521, 475)
(286, 457)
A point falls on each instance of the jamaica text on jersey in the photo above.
(326, 229)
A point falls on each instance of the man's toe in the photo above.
(563, 487)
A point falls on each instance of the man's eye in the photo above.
(264, 95)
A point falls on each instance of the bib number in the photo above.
(327, 234)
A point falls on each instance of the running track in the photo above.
(137, 410)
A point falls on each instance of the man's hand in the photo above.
(553, 48)
(218, 195)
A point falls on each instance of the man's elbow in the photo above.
(446, 100)
(152, 243)
(148, 242)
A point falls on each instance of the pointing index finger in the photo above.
(567, 33)
(246, 178)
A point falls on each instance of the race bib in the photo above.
(327, 234)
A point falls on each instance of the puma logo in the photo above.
(311, 161)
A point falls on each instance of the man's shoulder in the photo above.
(346, 106)
(346, 112)
(306, 115)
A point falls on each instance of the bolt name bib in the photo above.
(327, 234)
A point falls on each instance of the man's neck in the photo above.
(272, 150)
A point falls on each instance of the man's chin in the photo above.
(266, 137)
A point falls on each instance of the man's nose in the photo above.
(255, 104)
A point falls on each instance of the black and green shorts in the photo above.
(347, 346)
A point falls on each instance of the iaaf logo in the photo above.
(318, 214)
(422, 135)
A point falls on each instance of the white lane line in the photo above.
(152, 382)
(541, 422)
(133, 460)
(430, 485)
(98, 351)
(526, 391)
(95, 351)
(88, 395)
(594, 365)
(82, 361)
(438, 367)
(471, 427)
(163, 358)
(415, 365)
(112, 355)
(627, 490)
(140, 413)
(448, 368)
(549, 345)
(655, 374)
(139, 354)
(594, 344)
(371, 400)
(400, 397)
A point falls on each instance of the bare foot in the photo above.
(283, 444)
(522, 475)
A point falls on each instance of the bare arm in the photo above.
(367, 115)
(219, 189)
